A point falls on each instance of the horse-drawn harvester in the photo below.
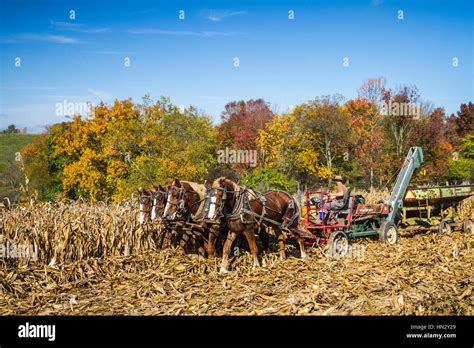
(226, 209)
(408, 208)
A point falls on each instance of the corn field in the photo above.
(97, 259)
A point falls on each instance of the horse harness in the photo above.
(142, 200)
(242, 207)
(181, 207)
(219, 212)
(262, 199)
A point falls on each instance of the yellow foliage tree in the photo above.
(126, 145)
(289, 148)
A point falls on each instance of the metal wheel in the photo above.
(338, 244)
(444, 227)
(468, 226)
(388, 233)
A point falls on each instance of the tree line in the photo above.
(128, 145)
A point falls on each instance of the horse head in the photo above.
(182, 199)
(173, 191)
(145, 202)
(159, 197)
(220, 196)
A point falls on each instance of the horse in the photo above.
(215, 222)
(159, 198)
(185, 201)
(145, 203)
(245, 209)
(151, 202)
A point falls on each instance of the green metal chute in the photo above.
(412, 162)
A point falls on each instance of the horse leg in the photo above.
(225, 253)
(183, 241)
(159, 240)
(199, 243)
(250, 235)
(300, 241)
(201, 247)
(195, 245)
(281, 242)
(264, 237)
(175, 237)
(211, 243)
(167, 239)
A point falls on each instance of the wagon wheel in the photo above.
(468, 226)
(388, 233)
(338, 244)
(444, 227)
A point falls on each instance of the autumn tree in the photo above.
(288, 149)
(180, 144)
(241, 121)
(374, 91)
(465, 120)
(461, 166)
(329, 125)
(126, 145)
(430, 135)
(37, 167)
(399, 121)
(307, 144)
(460, 132)
(366, 124)
(460, 124)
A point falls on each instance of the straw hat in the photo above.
(338, 178)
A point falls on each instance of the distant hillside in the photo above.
(10, 143)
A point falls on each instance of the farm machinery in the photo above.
(436, 208)
(406, 208)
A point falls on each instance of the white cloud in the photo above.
(181, 32)
(15, 88)
(218, 15)
(110, 52)
(145, 11)
(32, 37)
(77, 27)
(99, 94)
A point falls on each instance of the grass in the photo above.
(12, 143)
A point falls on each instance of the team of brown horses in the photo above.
(196, 216)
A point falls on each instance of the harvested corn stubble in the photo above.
(97, 260)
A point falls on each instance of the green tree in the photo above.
(328, 124)
(11, 129)
(263, 179)
(461, 166)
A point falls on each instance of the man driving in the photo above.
(336, 200)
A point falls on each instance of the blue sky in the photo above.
(284, 61)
